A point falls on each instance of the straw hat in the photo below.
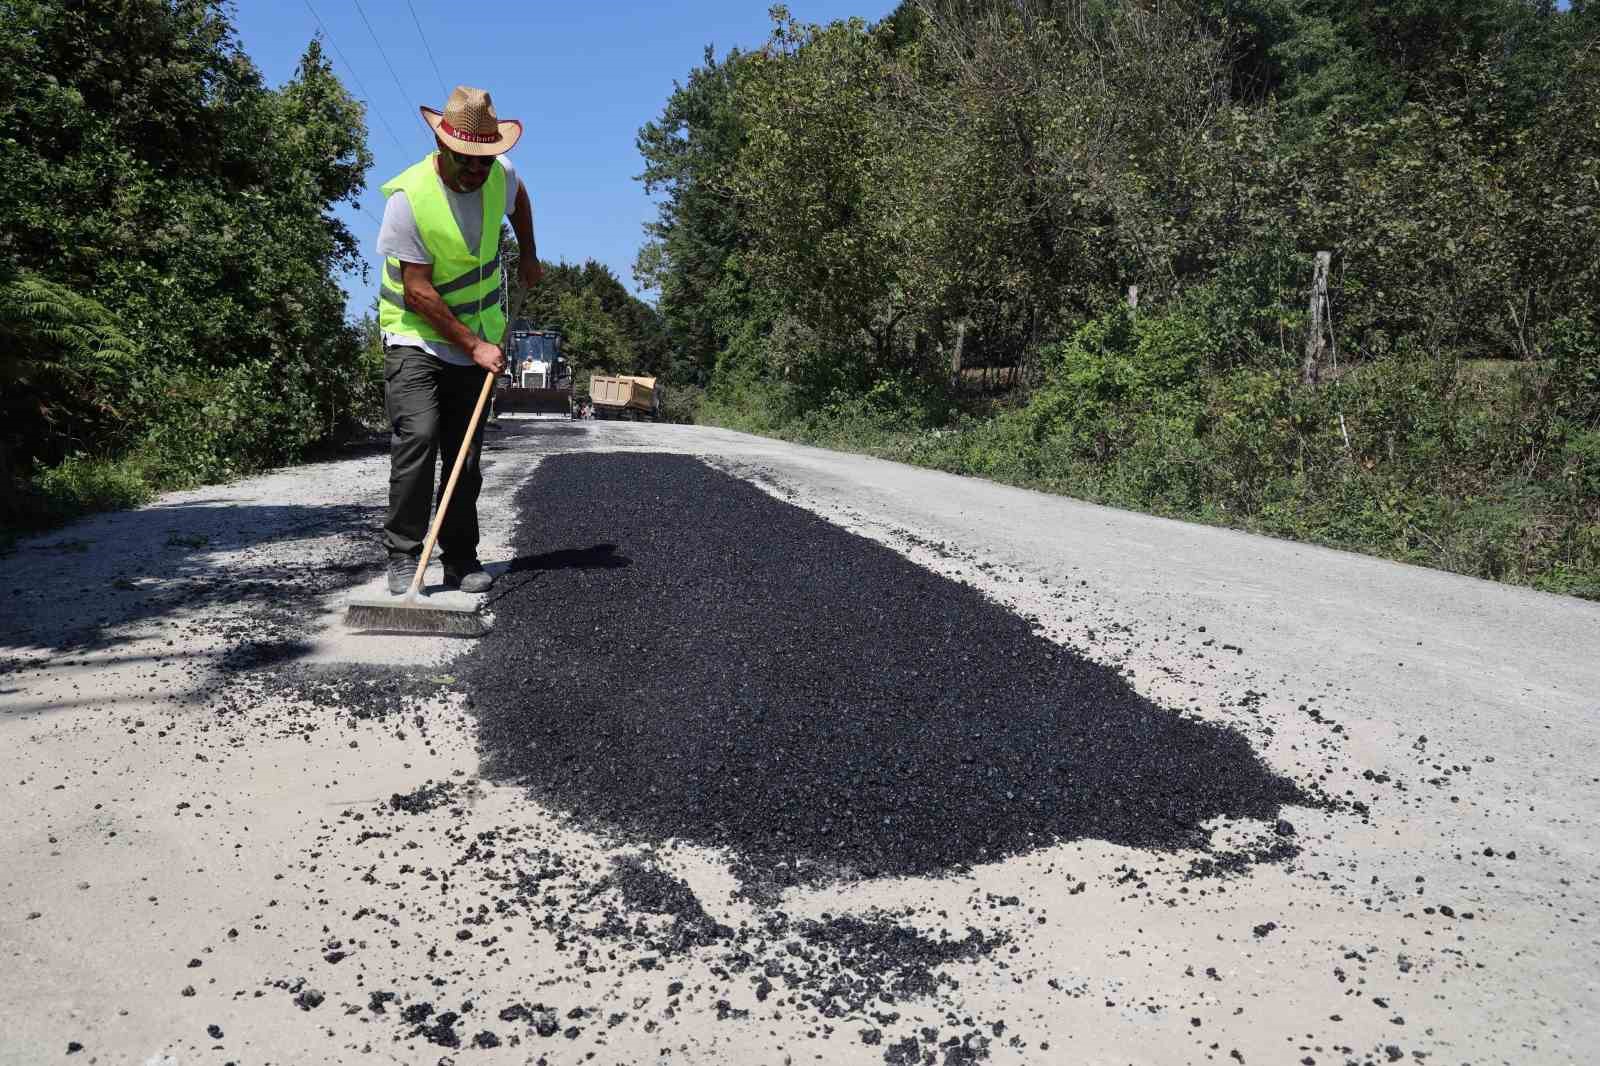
(468, 124)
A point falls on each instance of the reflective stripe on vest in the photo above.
(468, 280)
(460, 310)
(392, 266)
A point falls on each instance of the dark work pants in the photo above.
(429, 402)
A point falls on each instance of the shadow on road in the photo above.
(508, 576)
(68, 590)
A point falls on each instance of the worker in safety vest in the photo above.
(442, 319)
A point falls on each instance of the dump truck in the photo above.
(625, 396)
(538, 378)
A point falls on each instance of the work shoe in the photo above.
(402, 568)
(468, 577)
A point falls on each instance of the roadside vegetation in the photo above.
(921, 239)
(169, 309)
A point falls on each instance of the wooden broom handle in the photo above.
(450, 486)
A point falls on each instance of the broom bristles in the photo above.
(409, 616)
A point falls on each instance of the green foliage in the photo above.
(682, 404)
(854, 214)
(811, 180)
(1109, 367)
(1573, 386)
(171, 250)
(66, 368)
(213, 426)
(1456, 466)
(689, 155)
(589, 335)
(79, 484)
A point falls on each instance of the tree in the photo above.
(590, 337)
(168, 186)
(809, 185)
(690, 152)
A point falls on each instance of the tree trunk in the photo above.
(955, 354)
(1317, 337)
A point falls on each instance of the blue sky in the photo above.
(583, 77)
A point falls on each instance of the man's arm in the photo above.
(529, 270)
(425, 300)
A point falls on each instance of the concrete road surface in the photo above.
(200, 862)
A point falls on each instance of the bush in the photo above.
(1119, 380)
(211, 427)
(80, 484)
(682, 403)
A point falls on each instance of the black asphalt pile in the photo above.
(677, 654)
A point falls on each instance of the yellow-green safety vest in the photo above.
(467, 279)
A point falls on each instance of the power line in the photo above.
(429, 49)
(385, 55)
(366, 97)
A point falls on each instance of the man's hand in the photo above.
(489, 357)
(530, 272)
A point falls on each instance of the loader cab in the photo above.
(538, 378)
(534, 360)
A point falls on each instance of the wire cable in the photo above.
(366, 97)
(429, 49)
(397, 83)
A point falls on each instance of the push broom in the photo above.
(412, 613)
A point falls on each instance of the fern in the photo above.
(64, 364)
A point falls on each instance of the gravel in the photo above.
(677, 654)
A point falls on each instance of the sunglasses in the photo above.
(471, 162)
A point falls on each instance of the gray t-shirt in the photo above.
(400, 238)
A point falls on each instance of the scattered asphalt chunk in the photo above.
(426, 798)
(1233, 863)
(748, 675)
(545, 1022)
(645, 888)
(442, 1031)
(310, 999)
(906, 1052)
(417, 1013)
(890, 957)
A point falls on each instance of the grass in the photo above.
(78, 486)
